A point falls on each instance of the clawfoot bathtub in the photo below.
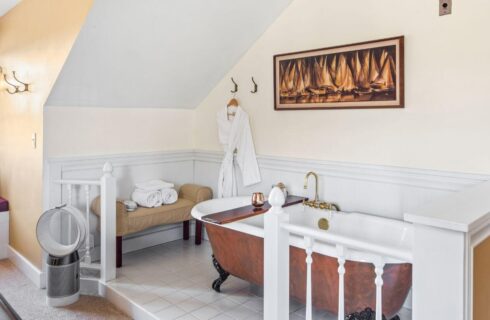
(238, 250)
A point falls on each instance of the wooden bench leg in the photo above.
(186, 230)
(118, 251)
(198, 232)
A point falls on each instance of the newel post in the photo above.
(276, 259)
(108, 224)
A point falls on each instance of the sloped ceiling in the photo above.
(154, 53)
(6, 5)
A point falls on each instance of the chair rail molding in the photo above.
(422, 178)
(377, 189)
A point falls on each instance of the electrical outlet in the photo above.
(445, 7)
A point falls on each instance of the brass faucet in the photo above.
(316, 203)
(311, 173)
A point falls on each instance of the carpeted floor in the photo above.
(29, 301)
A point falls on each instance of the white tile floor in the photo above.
(173, 281)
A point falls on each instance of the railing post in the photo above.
(276, 260)
(341, 252)
(309, 261)
(87, 258)
(108, 225)
(379, 269)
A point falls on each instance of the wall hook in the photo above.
(16, 88)
(256, 87)
(26, 85)
(236, 86)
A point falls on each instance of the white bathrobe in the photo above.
(235, 134)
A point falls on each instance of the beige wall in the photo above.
(35, 39)
(445, 124)
(71, 131)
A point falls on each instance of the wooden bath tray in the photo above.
(246, 211)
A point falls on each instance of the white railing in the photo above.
(277, 230)
(107, 184)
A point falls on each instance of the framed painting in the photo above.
(356, 76)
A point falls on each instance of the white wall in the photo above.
(94, 131)
(156, 53)
(445, 122)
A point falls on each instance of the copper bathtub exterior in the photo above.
(242, 255)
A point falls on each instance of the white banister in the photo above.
(341, 271)
(379, 269)
(309, 261)
(87, 258)
(277, 231)
(276, 260)
(108, 224)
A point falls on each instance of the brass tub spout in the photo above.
(316, 203)
(311, 173)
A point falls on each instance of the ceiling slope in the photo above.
(154, 53)
(6, 5)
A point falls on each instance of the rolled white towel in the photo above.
(145, 198)
(169, 195)
(154, 185)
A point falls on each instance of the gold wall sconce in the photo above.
(17, 87)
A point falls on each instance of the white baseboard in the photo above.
(27, 268)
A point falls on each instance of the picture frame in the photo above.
(362, 75)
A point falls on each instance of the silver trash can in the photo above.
(63, 279)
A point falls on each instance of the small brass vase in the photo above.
(258, 200)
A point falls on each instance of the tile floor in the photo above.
(173, 281)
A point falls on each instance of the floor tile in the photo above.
(170, 313)
(240, 313)
(156, 305)
(191, 304)
(223, 317)
(173, 281)
(205, 313)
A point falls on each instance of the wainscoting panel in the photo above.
(378, 190)
(175, 166)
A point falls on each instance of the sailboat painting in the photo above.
(361, 75)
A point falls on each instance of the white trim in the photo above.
(4, 234)
(119, 160)
(125, 304)
(422, 178)
(27, 268)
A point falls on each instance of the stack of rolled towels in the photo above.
(154, 193)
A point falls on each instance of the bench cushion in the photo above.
(144, 218)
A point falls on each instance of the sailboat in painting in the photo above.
(364, 75)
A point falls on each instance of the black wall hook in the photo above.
(26, 85)
(236, 86)
(15, 87)
(256, 87)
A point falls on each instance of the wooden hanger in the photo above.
(232, 103)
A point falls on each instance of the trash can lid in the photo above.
(4, 205)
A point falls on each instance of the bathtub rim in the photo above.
(322, 245)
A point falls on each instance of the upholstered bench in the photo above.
(144, 218)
